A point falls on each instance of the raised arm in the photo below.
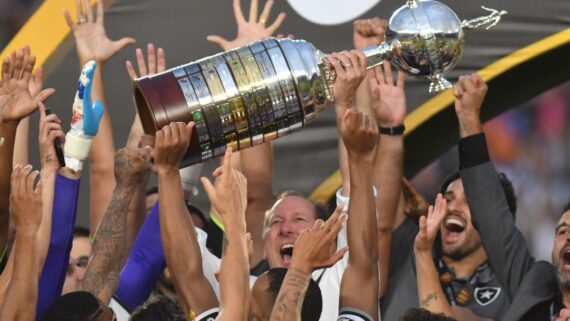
(18, 104)
(313, 251)
(389, 106)
(110, 244)
(359, 285)
(256, 162)
(156, 63)
(26, 208)
(430, 293)
(184, 262)
(229, 198)
(504, 244)
(92, 43)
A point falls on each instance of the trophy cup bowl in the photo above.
(270, 88)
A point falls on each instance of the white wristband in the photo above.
(77, 149)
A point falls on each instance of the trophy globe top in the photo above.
(426, 38)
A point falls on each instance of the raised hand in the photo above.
(50, 129)
(156, 62)
(18, 101)
(315, 248)
(90, 36)
(469, 94)
(369, 32)
(350, 69)
(359, 133)
(131, 166)
(250, 30)
(388, 100)
(229, 196)
(430, 225)
(170, 145)
(25, 200)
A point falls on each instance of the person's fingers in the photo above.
(319, 225)
(131, 70)
(423, 227)
(345, 61)
(57, 133)
(337, 226)
(468, 85)
(6, 69)
(100, 13)
(388, 73)
(400, 83)
(337, 65)
(42, 108)
(253, 8)
(266, 11)
(30, 181)
(159, 139)
(38, 190)
(337, 256)
(122, 43)
(240, 19)
(189, 129)
(277, 23)
(210, 190)
(79, 9)
(23, 176)
(161, 60)
(28, 68)
(141, 63)
(151, 59)
(174, 134)
(361, 60)
(44, 95)
(14, 180)
(227, 163)
(146, 141)
(88, 10)
(354, 61)
(221, 42)
(68, 19)
(18, 64)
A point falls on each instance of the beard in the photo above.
(561, 280)
(472, 244)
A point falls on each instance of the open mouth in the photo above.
(287, 253)
(565, 258)
(455, 225)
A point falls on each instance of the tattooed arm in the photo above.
(110, 244)
(312, 252)
(430, 293)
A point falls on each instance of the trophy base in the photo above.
(438, 83)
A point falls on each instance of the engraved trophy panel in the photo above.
(270, 88)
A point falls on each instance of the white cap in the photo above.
(331, 12)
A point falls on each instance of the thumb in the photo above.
(221, 42)
(120, 44)
(43, 95)
(210, 190)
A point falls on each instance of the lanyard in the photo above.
(446, 279)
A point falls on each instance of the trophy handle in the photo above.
(490, 20)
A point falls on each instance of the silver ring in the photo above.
(262, 21)
(81, 21)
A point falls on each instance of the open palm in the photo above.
(16, 76)
(90, 36)
(389, 100)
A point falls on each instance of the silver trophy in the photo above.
(270, 88)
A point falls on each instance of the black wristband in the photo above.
(392, 131)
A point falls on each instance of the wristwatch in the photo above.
(392, 131)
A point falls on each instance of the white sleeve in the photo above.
(210, 262)
(120, 313)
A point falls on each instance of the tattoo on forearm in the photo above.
(430, 297)
(291, 296)
(109, 247)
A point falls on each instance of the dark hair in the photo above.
(80, 231)
(424, 315)
(313, 302)
(320, 209)
(506, 184)
(159, 308)
(193, 210)
(74, 306)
